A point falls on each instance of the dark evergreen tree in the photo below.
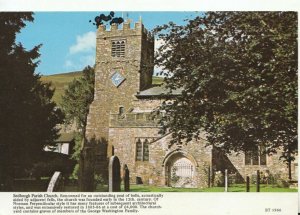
(238, 72)
(28, 117)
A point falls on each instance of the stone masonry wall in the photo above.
(146, 105)
(161, 153)
(273, 164)
(108, 98)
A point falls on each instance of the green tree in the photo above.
(76, 100)
(238, 74)
(28, 117)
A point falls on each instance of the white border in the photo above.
(148, 5)
(184, 203)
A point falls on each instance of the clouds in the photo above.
(82, 53)
(84, 43)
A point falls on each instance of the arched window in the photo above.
(118, 48)
(146, 150)
(139, 150)
(142, 149)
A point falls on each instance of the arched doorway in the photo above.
(180, 171)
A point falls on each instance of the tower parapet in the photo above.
(119, 30)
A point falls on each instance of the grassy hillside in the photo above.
(60, 82)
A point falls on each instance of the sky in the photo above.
(68, 38)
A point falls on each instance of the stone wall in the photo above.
(134, 120)
(146, 105)
(161, 154)
(274, 165)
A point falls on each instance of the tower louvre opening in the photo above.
(118, 48)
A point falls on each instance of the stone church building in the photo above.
(121, 123)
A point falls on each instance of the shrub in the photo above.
(98, 180)
(253, 179)
(219, 179)
(52, 162)
(283, 183)
(174, 177)
(232, 178)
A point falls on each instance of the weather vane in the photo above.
(102, 18)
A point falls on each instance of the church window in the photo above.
(118, 48)
(142, 149)
(258, 157)
(146, 150)
(139, 150)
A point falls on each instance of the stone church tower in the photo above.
(124, 66)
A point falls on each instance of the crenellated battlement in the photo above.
(124, 29)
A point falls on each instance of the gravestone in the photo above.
(56, 183)
(126, 178)
(114, 178)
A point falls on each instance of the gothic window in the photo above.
(139, 150)
(258, 157)
(118, 48)
(142, 149)
(146, 150)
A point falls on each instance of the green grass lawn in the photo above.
(233, 188)
(41, 186)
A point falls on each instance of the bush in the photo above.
(253, 179)
(232, 178)
(274, 179)
(174, 177)
(74, 175)
(52, 162)
(283, 183)
(219, 179)
(98, 180)
(263, 178)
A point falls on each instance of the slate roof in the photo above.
(158, 91)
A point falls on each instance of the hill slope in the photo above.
(60, 83)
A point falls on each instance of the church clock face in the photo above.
(117, 79)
